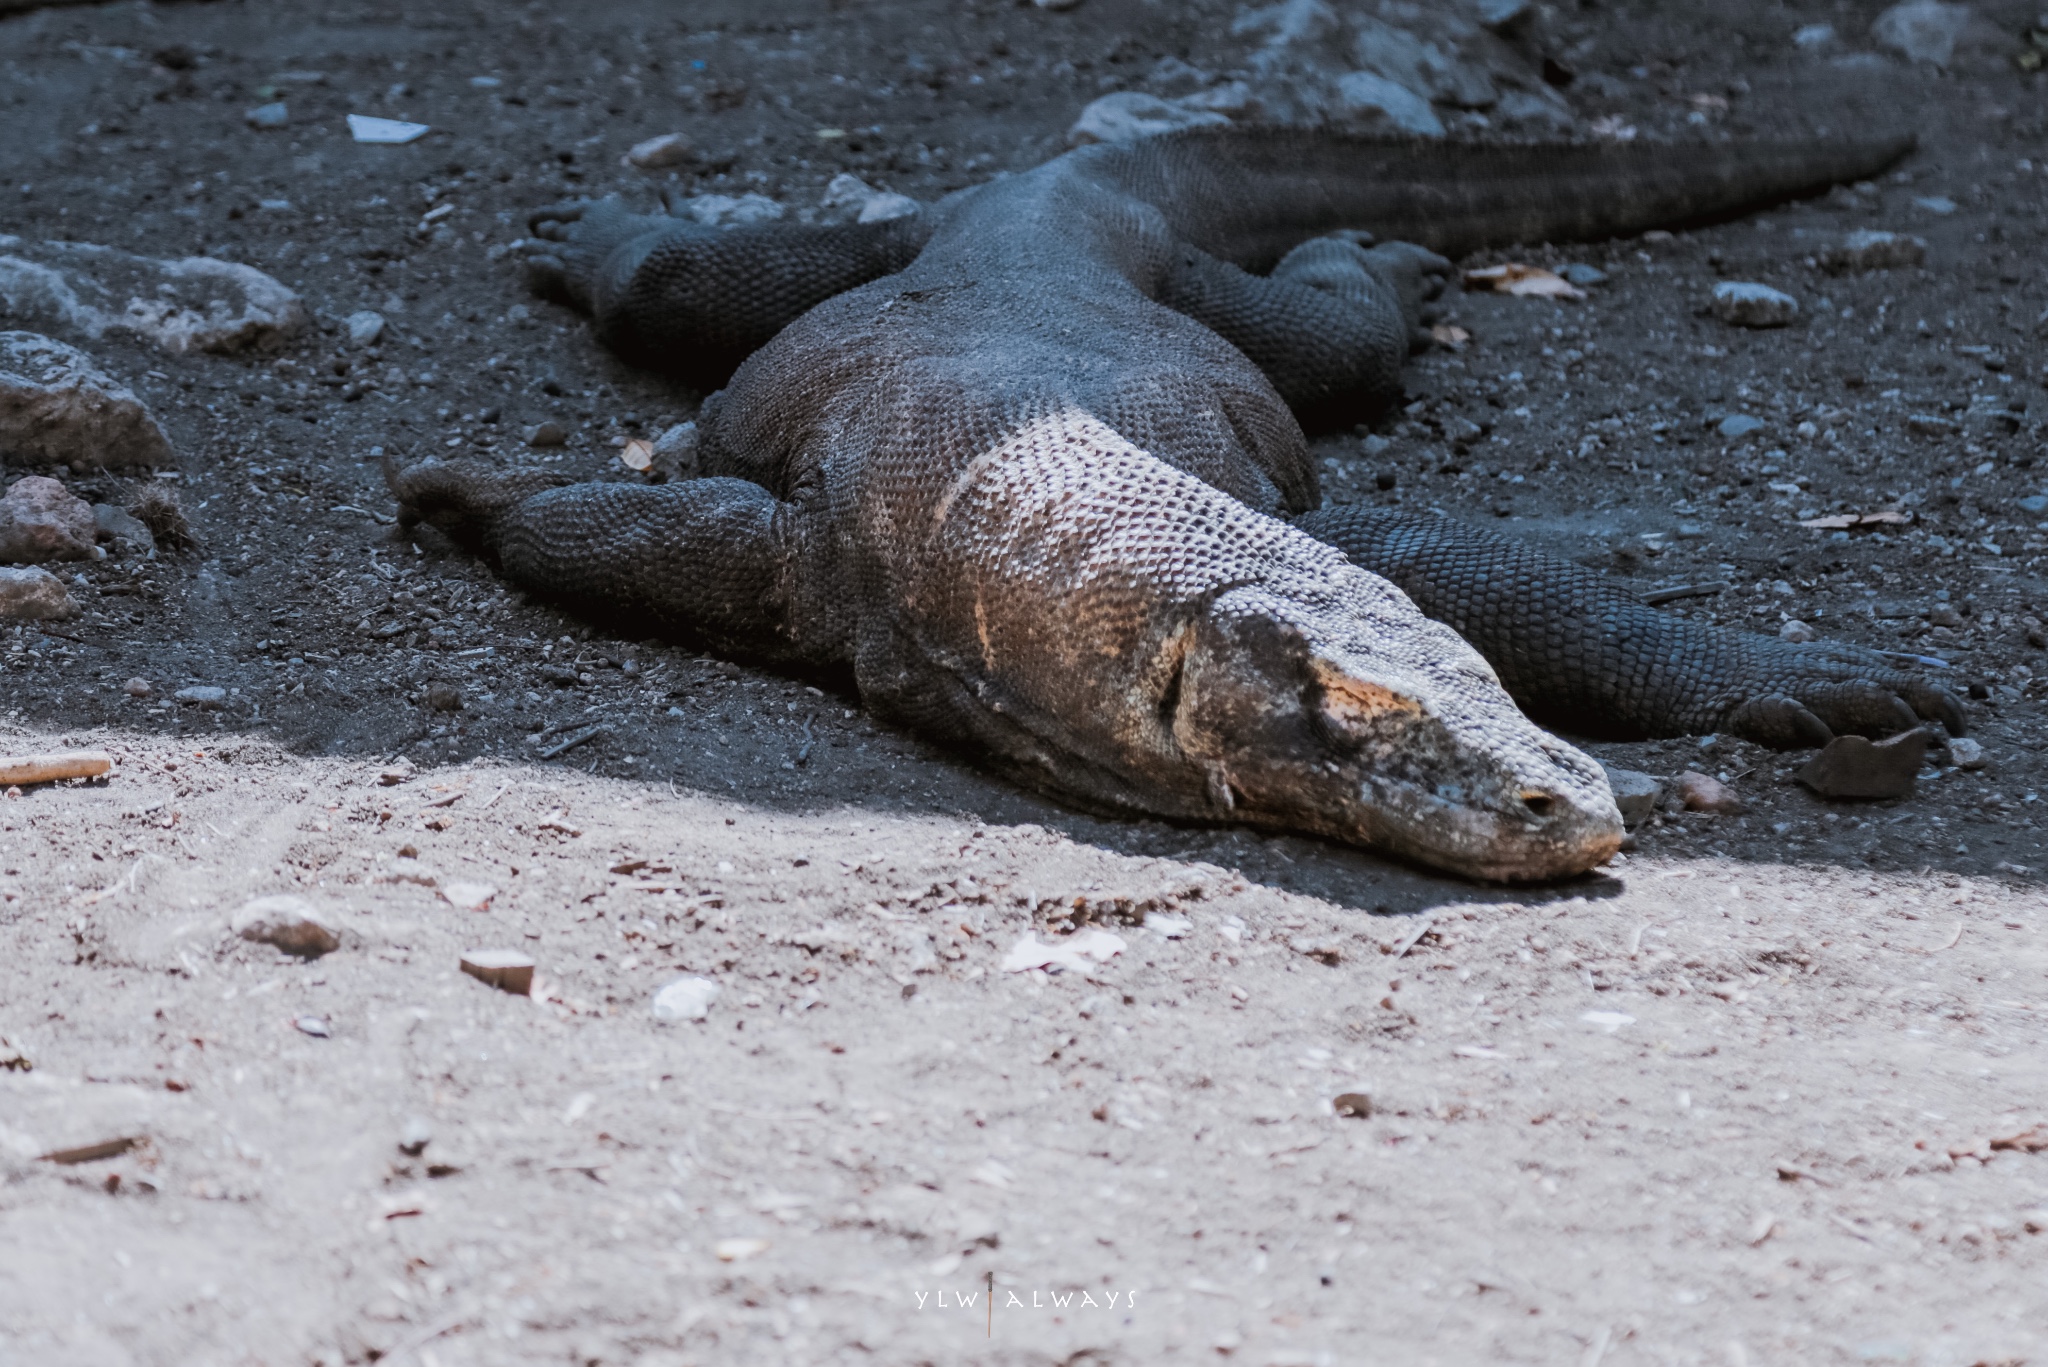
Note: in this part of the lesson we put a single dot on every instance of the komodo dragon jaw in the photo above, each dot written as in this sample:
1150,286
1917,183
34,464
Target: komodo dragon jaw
1130,638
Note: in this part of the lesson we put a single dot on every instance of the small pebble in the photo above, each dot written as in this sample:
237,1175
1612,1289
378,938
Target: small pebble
1871,250
1751,305
547,434
505,969
739,1250
314,1026
274,115
468,896
444,697
670,149
1703,793
1636,794
417,1135
686,999
1356,1104
138,688
365,327
202,695
1738,425
287,922
1579,273
1797,632
1852,767
1965,753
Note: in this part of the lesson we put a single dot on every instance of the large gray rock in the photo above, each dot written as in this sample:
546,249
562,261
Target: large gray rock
193,304
1420,65
31,594
1365,95
41,520
1130,115
56,407
1922,30
1635,794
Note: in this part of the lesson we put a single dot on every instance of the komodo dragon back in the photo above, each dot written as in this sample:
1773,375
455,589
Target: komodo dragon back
1028,466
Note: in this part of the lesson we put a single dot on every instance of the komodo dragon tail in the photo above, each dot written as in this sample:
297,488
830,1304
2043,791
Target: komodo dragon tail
1249,195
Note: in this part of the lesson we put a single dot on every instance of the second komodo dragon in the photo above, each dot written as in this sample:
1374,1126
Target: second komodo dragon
1030,464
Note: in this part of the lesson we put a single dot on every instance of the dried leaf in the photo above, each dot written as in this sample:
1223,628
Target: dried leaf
1527,281
2027,1141
638,454
1842,522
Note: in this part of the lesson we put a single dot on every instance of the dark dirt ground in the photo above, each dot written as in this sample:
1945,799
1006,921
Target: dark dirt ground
1825,999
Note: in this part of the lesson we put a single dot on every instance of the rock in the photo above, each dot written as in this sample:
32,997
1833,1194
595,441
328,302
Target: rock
1852,767
1751,305
739,1250
888,205
1579,273
847,191
1358,1105
670,149
56,407
1869,249
686,999
32,594
367,128
2033,504
413,1140
1930,425
674,457
1503,16
1737,425
1811,36
1364,94
365,326
443,697
124,529
1965,753
1701,793
1419,66
290,923
547,434
469,896
138,688
728,211
196,303
316,1026
1129,115
202,695
272,115
1797,632
1636,794
1935,204
505,969
1922,30
41,521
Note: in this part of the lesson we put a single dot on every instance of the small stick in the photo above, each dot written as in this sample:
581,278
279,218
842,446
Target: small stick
1414,937
50,768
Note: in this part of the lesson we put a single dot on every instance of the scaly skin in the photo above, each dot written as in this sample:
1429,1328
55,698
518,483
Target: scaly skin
1039,484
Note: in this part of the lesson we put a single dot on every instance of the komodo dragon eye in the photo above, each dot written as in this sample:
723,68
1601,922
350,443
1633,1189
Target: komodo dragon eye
1349,711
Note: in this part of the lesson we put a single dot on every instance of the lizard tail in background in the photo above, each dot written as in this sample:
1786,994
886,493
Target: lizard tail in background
1250,195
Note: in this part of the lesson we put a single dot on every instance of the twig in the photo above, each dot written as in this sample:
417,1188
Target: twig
1423,927
50,768
803,752
1678,591
494,797
563,746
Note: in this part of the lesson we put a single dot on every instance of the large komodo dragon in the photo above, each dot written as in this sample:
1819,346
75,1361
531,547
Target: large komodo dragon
1028,463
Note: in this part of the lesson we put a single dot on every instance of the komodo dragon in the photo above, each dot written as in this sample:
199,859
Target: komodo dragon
1028,463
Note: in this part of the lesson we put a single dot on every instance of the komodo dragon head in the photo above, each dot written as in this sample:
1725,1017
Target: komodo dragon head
1137,640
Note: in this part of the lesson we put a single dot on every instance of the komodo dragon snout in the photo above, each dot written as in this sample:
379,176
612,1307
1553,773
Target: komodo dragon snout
1360,719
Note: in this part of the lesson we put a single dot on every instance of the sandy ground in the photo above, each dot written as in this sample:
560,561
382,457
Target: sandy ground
1767,1090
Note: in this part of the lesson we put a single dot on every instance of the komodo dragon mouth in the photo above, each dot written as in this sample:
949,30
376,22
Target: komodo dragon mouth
1029,463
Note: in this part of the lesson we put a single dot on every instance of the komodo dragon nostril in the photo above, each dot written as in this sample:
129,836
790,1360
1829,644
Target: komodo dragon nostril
1539,804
